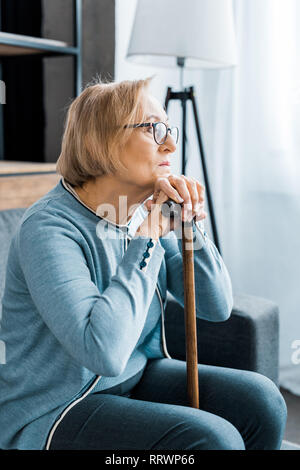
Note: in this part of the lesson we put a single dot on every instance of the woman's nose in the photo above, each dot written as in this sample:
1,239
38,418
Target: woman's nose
169,144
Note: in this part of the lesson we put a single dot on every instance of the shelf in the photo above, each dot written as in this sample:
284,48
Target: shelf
12,168
21,46
17,44
23,183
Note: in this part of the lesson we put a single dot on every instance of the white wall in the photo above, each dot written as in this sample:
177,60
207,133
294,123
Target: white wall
124,69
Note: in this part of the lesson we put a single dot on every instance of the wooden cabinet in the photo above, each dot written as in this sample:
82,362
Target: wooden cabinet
21,184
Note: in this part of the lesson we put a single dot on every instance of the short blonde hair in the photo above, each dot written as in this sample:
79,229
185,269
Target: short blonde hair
94,128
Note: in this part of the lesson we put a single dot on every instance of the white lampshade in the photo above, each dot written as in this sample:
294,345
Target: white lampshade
201,31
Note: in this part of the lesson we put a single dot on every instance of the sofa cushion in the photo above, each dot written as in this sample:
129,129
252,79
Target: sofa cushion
8,225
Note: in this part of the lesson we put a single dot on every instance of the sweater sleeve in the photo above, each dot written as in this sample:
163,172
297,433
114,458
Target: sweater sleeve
98,329
213,289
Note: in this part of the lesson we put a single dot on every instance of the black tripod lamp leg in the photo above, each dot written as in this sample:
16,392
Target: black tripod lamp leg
205,174
183,96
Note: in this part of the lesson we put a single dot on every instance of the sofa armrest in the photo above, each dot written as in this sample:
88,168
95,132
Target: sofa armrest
248,340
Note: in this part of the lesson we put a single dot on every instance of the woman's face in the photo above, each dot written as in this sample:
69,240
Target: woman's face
141,154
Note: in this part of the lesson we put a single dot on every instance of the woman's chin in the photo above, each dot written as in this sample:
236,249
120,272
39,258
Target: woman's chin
165,168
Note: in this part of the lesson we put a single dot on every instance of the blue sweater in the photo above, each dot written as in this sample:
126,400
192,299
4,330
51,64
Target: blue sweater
80,314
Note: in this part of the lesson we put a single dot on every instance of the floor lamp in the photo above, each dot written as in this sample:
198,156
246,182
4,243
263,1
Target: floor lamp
190,34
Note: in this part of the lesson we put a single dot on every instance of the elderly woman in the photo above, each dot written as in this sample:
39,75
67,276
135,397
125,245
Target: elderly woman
89,267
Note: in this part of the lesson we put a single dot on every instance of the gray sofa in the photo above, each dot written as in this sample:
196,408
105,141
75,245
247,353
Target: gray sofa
249,339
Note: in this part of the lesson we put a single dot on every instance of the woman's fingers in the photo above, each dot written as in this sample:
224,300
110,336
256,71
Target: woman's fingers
164,184
192,192
194,197
201,215
184,190
197,191
162,197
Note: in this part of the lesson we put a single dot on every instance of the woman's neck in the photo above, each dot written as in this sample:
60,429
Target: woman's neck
112,199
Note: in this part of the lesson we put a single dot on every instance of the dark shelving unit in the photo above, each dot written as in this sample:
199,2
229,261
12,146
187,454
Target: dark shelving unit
15,45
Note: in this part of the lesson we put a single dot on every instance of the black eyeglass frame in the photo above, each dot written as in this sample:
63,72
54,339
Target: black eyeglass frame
154,124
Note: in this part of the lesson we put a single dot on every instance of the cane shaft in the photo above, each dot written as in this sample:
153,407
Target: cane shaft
190,315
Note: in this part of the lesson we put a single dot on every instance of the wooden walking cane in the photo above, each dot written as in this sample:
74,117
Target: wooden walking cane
189,306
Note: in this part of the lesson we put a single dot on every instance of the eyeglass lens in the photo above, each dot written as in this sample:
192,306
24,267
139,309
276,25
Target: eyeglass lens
161,133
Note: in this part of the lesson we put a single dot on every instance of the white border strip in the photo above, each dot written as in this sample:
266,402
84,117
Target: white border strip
54,427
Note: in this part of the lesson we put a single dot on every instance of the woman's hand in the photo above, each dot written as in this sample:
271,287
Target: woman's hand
183,190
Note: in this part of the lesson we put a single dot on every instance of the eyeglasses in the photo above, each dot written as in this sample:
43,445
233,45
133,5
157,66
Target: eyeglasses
160,131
